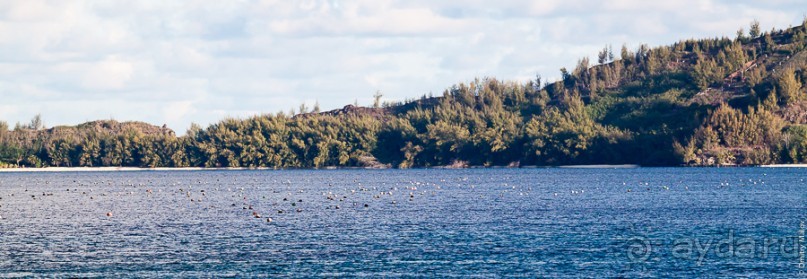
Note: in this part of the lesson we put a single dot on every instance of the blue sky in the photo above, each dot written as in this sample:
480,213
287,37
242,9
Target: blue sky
177,62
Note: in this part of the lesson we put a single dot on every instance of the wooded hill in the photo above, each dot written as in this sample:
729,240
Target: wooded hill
717,101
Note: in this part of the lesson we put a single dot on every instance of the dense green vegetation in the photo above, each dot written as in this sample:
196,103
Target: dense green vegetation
696,102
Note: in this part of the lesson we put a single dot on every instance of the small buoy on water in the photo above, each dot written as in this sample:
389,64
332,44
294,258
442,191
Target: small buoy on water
109,214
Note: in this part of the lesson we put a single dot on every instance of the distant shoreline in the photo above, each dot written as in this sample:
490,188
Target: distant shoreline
784,166
126,169
101,169
122,169
624,166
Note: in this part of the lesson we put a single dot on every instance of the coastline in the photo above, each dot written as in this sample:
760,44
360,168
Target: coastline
134,169
784,166
624,166
101,169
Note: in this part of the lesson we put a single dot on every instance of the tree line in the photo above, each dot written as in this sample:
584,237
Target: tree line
696,102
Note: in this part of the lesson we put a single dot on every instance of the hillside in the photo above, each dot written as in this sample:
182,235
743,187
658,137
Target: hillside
718,101
79,145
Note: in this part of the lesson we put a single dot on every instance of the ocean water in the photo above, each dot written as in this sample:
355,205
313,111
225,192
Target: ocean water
535,223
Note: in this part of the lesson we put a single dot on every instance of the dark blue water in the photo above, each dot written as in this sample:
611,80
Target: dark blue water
647,222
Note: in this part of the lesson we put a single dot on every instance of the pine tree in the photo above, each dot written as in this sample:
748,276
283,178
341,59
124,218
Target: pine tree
316,107
754,32
377,99
789,87
771,102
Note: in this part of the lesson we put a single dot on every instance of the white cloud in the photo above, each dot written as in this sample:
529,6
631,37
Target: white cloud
178,62
110,74
8,111
177,111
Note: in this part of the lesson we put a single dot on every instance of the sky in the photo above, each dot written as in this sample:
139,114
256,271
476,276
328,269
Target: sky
176,62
